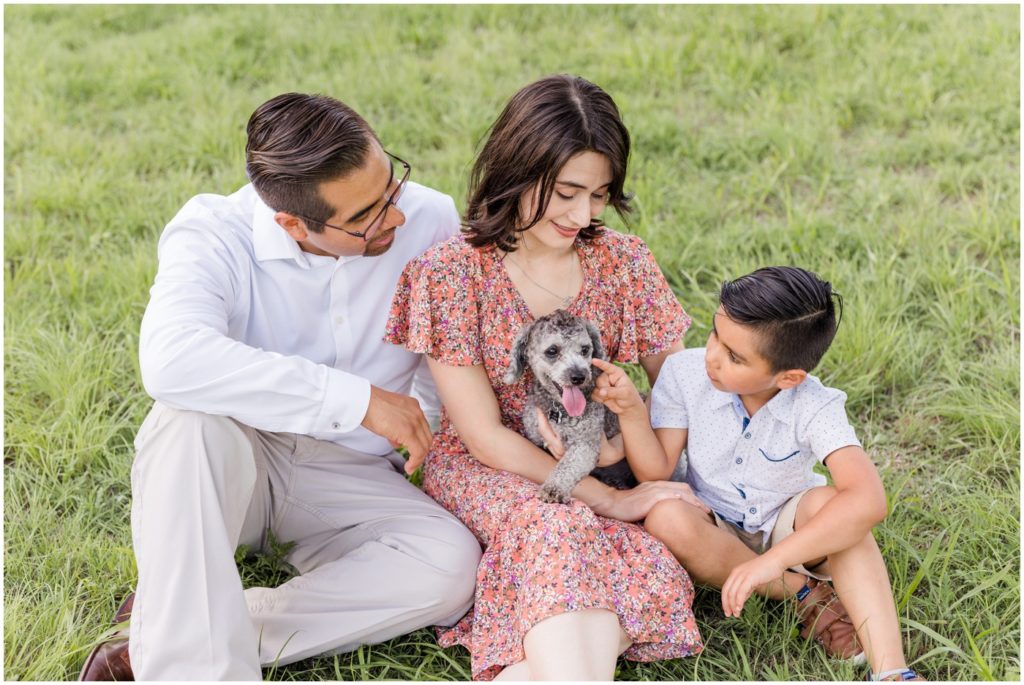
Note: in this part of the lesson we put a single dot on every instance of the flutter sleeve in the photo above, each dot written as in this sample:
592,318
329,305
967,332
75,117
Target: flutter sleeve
653,319
434,310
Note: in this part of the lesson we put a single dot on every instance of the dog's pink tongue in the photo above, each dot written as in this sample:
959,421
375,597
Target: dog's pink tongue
573,401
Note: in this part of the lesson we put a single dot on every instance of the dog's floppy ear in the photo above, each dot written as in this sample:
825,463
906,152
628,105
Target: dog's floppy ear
518,365
595,340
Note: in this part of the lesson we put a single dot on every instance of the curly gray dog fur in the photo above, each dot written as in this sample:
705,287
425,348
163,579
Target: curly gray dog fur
558,349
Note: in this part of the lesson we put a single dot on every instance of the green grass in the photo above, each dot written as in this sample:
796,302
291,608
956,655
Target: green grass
877,146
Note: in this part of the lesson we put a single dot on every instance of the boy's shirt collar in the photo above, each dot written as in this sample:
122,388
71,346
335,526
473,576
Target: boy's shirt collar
780,406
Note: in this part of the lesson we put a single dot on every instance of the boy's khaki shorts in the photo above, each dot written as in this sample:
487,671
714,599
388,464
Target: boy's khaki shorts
784,526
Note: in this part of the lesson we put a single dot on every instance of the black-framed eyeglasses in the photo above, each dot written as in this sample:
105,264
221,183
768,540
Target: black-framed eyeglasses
378,219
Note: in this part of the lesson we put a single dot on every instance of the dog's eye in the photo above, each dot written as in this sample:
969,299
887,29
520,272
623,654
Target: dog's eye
551,352
585,350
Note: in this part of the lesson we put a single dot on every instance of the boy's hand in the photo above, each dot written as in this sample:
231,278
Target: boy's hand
744,579
616,391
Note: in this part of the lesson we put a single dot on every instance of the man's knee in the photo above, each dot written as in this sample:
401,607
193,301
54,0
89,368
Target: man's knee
193,433
448,558
176,447
457,562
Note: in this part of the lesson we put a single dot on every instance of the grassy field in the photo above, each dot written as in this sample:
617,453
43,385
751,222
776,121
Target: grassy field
879,147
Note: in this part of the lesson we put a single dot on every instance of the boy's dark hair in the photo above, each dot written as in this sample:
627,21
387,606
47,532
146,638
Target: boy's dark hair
295,143
541,127
792,310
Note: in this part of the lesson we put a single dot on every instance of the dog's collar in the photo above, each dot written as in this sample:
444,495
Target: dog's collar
558,415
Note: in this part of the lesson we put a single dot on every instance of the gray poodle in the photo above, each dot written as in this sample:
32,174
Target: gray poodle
558,348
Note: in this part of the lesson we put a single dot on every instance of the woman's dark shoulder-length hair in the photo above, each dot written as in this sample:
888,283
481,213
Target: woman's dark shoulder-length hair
541,128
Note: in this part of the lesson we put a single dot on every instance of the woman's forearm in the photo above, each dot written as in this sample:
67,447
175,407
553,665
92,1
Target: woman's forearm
507,450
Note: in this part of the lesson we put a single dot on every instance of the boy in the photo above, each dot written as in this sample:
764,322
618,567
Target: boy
754,423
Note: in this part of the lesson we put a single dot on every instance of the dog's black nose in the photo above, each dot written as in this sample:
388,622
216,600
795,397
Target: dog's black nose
577,377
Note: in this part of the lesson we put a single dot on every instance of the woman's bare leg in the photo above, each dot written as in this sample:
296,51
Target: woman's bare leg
580,645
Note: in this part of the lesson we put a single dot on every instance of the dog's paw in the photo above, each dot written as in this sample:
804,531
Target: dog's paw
551,494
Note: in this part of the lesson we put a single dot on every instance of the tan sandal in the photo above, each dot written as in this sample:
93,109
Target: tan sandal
824,618
899,674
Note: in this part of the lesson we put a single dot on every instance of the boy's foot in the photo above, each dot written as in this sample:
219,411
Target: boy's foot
895,674
824,618
109,660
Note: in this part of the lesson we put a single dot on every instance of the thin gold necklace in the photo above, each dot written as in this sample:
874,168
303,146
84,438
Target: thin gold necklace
566,300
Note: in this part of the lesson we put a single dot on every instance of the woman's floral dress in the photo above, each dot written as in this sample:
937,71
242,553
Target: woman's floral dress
456,304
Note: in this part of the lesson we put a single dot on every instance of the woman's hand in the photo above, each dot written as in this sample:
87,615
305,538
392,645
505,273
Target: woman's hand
636,503
612,451
616,391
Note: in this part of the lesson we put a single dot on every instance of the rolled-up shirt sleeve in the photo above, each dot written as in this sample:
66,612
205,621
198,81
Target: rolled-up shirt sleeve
188,361
668,401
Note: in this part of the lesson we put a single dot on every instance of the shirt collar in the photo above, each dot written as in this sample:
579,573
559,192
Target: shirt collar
720,399
273,242
737,405
781,406
270,240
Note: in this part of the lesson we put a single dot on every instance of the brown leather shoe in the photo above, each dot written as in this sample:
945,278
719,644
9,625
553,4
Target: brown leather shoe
824,618
109,659
124,612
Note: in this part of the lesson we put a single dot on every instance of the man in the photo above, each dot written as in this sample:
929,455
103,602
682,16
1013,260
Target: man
278,407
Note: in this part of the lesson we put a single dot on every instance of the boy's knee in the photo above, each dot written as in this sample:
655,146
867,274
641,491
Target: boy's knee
672,518
814,500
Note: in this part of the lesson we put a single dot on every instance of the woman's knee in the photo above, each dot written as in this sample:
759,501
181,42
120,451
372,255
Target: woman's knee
531,513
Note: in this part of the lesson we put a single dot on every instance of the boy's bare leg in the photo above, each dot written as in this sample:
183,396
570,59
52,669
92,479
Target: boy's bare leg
707,552
862,583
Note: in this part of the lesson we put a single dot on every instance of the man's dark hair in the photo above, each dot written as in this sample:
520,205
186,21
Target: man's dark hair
541,128
792,310
295,143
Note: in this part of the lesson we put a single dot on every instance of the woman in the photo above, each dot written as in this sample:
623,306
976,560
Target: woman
562,590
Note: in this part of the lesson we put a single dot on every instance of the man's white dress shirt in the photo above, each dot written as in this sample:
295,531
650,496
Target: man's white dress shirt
746,468
242,323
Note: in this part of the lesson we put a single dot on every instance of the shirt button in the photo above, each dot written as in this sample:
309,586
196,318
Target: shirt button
753,510
336,425
339,320
747,436
739,460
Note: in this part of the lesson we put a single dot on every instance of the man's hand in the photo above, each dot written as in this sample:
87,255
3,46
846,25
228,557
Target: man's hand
399,419
616,391
744,579
612,451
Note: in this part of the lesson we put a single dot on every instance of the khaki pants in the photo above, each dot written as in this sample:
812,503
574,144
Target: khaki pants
784,526
377,557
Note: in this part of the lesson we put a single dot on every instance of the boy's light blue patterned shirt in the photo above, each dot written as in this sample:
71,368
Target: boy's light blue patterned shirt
746,468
